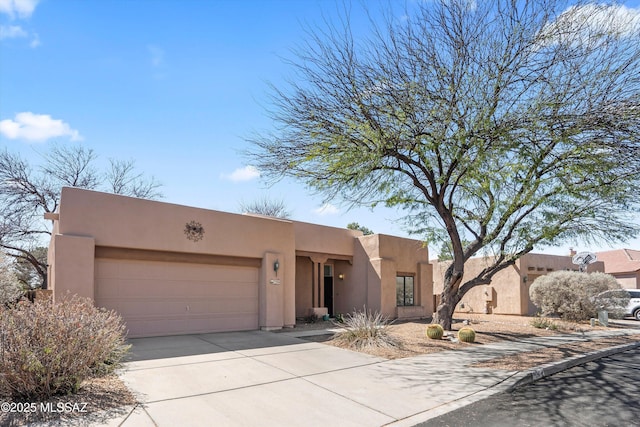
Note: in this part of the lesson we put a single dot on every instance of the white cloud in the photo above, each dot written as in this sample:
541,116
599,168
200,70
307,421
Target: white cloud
578,24
12,32
246,173
326,209
18,8
16,31
36,128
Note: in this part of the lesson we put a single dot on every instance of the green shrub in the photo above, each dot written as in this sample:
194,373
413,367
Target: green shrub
364,329
572,295
49,349
435,331
466,334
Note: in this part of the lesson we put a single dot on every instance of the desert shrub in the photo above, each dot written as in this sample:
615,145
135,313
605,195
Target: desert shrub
572,295
614,302
10,288
544,323
48,349
364,329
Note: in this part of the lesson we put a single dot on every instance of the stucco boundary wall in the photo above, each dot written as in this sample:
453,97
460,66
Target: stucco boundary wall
89,221
508,292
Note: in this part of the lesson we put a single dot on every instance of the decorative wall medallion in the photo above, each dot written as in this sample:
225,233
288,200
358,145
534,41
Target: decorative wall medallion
194,231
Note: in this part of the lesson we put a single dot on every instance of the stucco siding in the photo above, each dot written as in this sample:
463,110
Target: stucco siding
508,292
113,220
173,269
628,280
155,232
390,256
304,286
347,293
323,239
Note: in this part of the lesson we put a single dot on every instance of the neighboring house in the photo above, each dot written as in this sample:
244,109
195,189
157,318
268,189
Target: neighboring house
624,265
508,292
170,269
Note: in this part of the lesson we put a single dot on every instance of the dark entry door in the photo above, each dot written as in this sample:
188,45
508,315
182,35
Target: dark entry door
328,294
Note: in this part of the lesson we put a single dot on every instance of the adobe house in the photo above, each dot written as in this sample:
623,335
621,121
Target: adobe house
508,292
624,265
170,269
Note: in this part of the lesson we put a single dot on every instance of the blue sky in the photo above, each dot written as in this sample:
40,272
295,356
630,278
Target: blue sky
176,85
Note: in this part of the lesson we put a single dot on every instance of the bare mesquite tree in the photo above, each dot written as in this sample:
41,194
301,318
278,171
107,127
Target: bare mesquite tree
498,125
268,207
28,191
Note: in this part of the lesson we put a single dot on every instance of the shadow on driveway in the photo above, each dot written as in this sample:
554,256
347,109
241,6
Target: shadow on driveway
198,344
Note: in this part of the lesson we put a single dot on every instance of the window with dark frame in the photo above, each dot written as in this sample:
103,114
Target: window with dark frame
404,291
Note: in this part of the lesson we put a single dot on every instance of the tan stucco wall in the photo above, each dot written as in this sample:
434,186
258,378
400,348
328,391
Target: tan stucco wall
304,268
323,239
508,292
534,265
628,280
346,298
124,222
95,225
385,258
503,293
135,223
72,266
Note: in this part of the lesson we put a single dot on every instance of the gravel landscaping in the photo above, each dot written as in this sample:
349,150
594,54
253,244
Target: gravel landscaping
107,397
489,329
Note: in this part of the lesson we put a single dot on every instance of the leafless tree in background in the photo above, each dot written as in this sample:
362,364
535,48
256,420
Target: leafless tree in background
267,207
28,191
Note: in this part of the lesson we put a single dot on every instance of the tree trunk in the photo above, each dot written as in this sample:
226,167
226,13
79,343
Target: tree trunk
45,280
444,312
449,297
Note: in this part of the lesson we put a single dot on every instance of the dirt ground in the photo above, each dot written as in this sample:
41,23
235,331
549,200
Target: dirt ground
412,340
96,395
111,394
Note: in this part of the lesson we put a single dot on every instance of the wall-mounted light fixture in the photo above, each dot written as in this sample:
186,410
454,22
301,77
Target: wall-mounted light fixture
276,267
524,279
341,276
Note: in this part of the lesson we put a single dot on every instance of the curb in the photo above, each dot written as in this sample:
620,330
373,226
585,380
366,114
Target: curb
532,375
518,379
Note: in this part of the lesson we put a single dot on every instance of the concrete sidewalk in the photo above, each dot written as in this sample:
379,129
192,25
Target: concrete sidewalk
276,379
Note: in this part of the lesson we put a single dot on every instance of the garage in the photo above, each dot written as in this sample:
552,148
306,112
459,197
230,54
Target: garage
160,297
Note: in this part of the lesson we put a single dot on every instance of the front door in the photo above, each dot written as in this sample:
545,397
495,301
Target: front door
328,288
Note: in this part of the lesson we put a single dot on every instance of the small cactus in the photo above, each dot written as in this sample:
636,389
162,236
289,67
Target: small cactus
466,334
435,331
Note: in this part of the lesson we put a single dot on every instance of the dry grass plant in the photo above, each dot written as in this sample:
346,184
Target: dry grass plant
363,330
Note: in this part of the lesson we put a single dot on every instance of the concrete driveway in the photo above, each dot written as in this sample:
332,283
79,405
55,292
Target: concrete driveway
273,379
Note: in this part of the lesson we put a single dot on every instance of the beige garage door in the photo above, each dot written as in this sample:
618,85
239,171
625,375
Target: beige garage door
167,298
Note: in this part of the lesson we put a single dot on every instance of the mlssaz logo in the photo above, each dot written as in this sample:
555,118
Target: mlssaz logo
194,231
